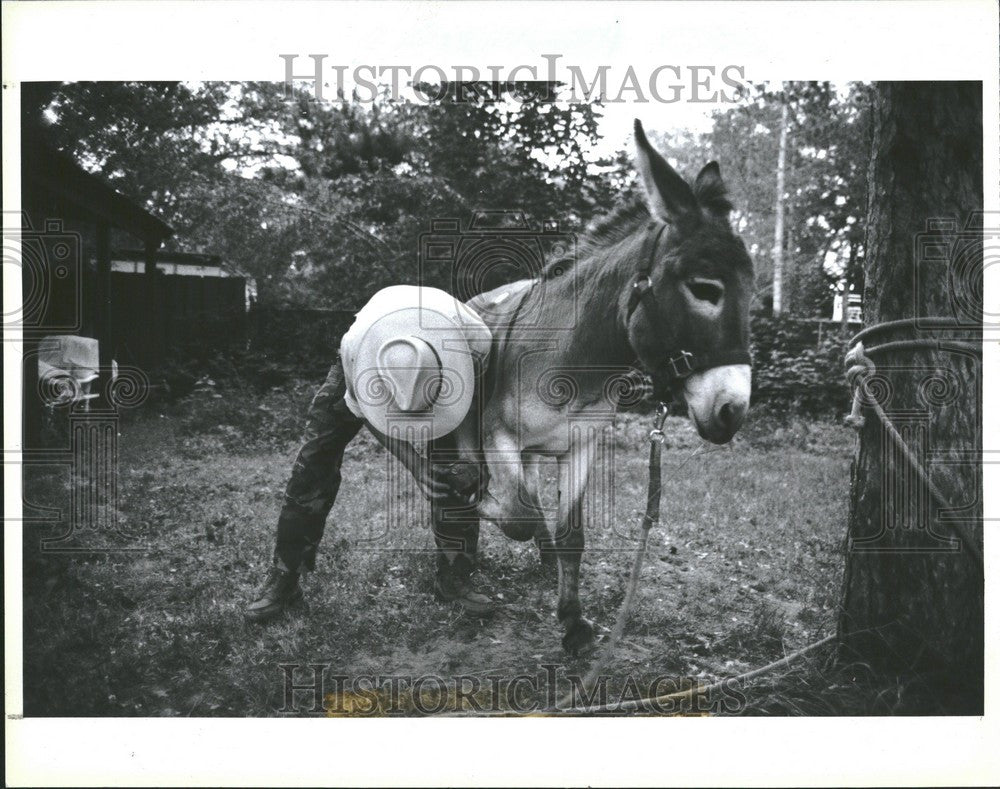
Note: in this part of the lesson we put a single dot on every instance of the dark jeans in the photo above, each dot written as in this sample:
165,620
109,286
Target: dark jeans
312,488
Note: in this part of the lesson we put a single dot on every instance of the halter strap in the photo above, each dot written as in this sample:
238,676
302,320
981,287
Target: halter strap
679,363
641,288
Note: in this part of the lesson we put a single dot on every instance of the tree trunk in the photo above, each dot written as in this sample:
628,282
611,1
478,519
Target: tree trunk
912,595
777,291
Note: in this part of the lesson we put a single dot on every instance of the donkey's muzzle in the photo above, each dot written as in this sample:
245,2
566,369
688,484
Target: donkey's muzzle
722,425
727,419
718,400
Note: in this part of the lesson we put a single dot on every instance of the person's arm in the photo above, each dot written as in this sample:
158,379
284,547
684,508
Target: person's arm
434,486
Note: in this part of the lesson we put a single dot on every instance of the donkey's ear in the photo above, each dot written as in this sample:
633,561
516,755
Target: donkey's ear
710,191
667,194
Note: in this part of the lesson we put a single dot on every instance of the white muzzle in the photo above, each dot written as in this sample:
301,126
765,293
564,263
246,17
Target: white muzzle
717,401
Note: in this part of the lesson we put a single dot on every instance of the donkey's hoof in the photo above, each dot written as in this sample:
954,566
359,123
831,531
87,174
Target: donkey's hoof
579,637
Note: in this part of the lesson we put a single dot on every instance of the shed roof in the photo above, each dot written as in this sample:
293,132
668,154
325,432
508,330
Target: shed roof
190,258
84,195
182,258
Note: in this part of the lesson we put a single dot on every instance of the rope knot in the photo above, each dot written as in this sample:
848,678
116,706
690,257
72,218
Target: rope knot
859,369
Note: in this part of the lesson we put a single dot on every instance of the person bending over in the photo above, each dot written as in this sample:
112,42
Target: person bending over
408,369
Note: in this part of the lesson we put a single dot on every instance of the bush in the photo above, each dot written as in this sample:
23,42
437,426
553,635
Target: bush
797,369
299,337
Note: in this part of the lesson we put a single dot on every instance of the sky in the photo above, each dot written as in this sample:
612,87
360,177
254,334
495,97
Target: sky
616,123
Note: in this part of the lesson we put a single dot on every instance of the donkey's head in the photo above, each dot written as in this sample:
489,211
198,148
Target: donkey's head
687,314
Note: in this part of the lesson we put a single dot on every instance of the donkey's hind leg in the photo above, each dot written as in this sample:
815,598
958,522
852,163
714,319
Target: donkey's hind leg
574,469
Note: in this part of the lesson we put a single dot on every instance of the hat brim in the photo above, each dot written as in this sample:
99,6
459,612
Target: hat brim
373,392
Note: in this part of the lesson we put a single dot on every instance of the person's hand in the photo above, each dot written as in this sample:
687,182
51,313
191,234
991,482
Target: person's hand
461,480
433,484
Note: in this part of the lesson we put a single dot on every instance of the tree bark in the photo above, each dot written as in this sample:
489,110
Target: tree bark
912,601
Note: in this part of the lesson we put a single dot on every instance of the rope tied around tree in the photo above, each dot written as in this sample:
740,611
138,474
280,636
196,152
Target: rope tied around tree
861,374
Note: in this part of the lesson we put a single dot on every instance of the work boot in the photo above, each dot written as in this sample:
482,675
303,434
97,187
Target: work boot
280,592
451,585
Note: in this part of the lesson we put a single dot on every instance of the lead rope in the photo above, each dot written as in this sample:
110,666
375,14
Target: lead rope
649,520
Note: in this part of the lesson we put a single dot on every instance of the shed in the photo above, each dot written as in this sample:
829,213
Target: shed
205,301
64,237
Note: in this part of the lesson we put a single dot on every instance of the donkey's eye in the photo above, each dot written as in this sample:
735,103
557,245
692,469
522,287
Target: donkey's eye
709,290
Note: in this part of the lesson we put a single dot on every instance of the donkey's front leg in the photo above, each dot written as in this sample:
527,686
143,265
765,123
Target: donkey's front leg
569,550
574,470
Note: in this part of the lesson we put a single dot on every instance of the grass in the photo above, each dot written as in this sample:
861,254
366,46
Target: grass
745,565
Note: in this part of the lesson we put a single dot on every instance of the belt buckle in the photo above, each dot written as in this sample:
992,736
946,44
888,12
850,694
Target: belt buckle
682,364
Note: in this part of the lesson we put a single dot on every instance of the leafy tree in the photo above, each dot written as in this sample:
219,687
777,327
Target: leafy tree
307,195
829,138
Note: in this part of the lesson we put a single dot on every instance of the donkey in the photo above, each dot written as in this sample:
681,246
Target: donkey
663,286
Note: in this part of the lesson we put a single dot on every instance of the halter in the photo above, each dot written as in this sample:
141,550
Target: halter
680,363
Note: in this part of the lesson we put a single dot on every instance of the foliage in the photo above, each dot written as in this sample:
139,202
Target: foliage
826,190
797,368
306,195
147,138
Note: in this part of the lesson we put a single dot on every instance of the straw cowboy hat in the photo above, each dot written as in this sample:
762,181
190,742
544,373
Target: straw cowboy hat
410,370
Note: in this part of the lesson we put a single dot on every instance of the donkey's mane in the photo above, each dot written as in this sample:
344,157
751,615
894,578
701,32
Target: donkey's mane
605,232
617,225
